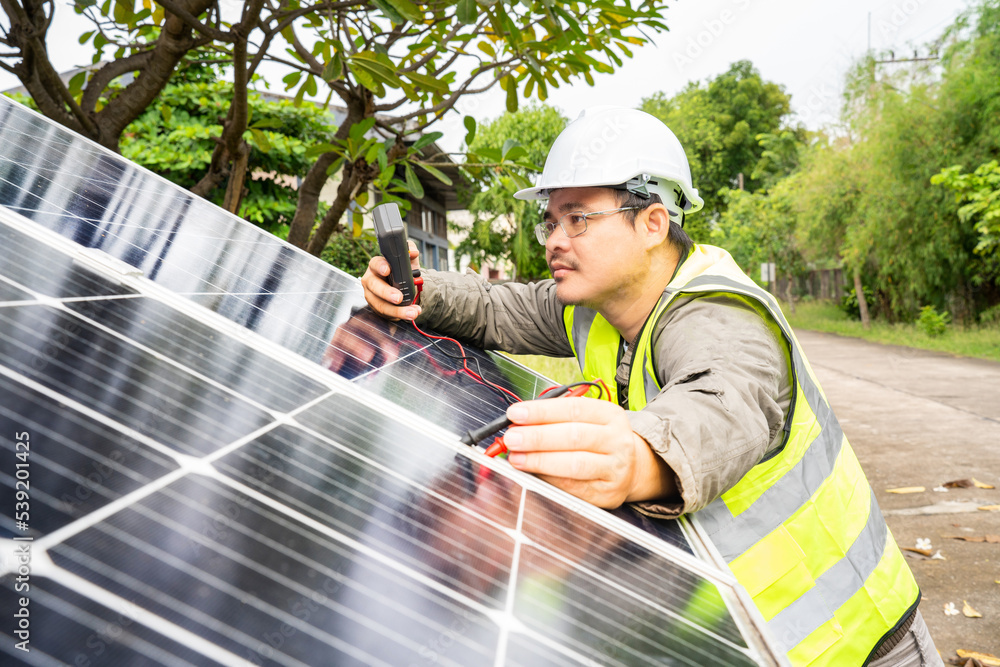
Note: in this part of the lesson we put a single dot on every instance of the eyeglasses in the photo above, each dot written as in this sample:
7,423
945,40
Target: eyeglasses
573,224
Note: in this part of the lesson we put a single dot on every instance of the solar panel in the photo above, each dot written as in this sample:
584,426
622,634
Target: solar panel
198,487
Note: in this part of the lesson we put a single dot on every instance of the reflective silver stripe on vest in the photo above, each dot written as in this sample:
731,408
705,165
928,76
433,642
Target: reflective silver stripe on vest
583,320
734,535
648,381
834,587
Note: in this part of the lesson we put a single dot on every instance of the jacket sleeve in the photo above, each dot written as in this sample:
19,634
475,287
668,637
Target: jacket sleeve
514,317
725,393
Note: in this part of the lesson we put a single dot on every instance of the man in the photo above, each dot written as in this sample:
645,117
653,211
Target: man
716,412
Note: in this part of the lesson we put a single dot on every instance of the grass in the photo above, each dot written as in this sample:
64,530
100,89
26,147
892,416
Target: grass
563,370
980,342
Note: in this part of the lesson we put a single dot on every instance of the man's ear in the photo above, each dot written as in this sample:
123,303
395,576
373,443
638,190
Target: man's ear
657,221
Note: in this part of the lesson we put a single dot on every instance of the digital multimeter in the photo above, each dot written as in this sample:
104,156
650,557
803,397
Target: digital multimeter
392,243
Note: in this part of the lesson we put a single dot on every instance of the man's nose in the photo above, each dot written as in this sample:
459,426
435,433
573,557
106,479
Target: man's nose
557,239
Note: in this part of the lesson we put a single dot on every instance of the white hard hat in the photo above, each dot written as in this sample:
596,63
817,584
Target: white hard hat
620,148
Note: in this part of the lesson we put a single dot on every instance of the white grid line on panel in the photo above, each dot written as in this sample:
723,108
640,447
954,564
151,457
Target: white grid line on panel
207,620
409,481
362,548
248,598
318,567
511,621
147,618
274,414
103,626
186,463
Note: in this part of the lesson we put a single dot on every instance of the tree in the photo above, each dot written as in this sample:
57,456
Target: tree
760,227
175,139
718,122
978,194
503,227
396,66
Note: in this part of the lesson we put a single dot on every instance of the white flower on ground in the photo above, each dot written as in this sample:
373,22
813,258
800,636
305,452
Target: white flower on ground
923,543
941,489
949,609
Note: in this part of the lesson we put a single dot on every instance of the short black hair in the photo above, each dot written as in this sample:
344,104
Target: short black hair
676,237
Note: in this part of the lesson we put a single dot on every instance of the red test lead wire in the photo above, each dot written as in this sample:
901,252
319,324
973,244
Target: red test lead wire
498,447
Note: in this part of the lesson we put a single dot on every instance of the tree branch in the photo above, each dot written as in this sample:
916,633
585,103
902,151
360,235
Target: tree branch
111,71
191,21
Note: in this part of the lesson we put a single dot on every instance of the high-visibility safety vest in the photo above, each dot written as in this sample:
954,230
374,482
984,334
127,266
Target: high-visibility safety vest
801,530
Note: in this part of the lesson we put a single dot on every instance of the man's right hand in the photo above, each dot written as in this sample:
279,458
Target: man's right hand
381,295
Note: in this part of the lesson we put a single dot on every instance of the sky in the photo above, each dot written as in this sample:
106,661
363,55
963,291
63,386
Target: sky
805,46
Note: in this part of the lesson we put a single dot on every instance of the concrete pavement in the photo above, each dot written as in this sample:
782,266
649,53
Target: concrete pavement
919,418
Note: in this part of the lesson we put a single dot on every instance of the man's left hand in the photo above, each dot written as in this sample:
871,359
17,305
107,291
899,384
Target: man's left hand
586,447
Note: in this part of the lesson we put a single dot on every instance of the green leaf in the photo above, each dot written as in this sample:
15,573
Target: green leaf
470,130
436,173
507,145
260,139
76,83
487,48
291,79
267,123
335,167
426,139
365,78
408,9
467,12
413,183
319,149
382,156
427,82
377,68
515,152
334,69
511,94
86,36
359,129
166,112
389,11
124,9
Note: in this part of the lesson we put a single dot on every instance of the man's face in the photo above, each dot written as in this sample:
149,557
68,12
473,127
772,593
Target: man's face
600,265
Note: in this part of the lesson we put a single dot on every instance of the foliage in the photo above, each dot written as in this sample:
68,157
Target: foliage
931,322
351,254
563,370
175,140
718,122
759,227
849,302
990,317
864,195
979,194
396,67
503,228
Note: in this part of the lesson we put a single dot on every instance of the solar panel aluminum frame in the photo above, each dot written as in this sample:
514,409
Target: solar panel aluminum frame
744,613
